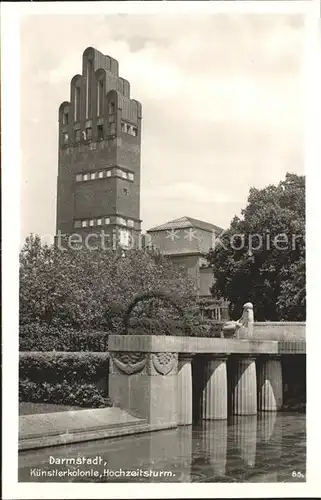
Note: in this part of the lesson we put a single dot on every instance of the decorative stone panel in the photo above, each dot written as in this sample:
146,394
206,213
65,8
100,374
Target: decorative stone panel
128,362
162,363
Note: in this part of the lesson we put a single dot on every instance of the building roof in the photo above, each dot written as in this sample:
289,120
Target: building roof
185,222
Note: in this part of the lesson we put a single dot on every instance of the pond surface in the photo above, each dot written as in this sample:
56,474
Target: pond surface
268,447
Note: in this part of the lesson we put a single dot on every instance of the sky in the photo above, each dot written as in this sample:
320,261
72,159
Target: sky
222,107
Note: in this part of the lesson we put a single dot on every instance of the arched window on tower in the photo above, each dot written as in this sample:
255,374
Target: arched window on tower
89,72
112,107
65,116
100,97
77,104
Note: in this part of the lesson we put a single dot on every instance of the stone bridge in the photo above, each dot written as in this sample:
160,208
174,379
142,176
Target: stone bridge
161,378
161,382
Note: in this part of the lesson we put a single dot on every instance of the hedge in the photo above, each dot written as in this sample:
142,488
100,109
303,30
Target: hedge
57,367
43,337
83,395
147,326
208,328
64,378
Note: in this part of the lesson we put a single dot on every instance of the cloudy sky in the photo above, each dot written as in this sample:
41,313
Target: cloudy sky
222,106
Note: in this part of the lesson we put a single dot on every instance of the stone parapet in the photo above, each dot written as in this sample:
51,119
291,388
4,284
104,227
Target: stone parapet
283,331
202,345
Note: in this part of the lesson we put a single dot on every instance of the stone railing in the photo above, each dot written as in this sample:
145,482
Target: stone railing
151,375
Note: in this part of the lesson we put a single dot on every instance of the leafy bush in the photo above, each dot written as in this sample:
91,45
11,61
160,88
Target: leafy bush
64,378
250,265
148,326
148,304
208,328
90,289
74,394
158,312
57,367
44,337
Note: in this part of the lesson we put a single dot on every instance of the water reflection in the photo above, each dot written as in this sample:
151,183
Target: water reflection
262,448
265,426
215,444
245,437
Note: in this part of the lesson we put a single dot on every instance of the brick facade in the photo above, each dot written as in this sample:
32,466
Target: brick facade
99,151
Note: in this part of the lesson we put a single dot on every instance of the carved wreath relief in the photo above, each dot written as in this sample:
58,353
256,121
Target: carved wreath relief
129,362
162,363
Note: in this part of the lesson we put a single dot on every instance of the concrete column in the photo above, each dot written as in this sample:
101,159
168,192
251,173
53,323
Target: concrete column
214,398
145,384
270,388
184,389
244,387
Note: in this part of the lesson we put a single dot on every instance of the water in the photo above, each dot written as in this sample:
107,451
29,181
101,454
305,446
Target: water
265,448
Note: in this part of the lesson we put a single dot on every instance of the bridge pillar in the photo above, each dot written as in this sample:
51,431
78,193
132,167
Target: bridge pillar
244,387
145,384
184,389
270,387
214,398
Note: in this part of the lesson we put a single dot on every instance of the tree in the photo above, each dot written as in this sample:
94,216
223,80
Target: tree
261,257
88,289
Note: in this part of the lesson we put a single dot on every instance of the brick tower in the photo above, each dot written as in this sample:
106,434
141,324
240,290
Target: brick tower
98,186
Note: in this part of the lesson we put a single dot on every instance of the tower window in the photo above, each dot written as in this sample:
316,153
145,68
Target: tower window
65,138
130,223
122,126
112,128
124,238
100,132
65,118
77,104
111,107
77,223
108,173
121,220
124,174
88,87
100,97
83,223
99,222
107,220
93,175
125,191
86,177
100,175
91,222
135,131
130,176
78,177
88,133
77,135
